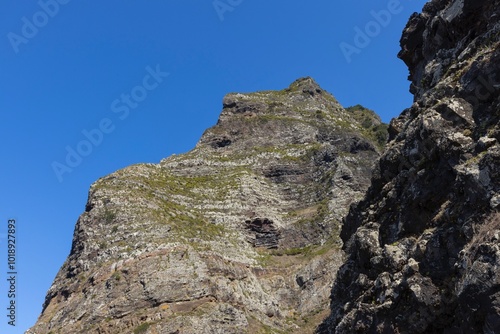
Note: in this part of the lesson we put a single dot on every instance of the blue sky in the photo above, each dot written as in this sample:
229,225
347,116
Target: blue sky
125,82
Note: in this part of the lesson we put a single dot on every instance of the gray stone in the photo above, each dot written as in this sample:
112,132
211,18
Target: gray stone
434,194
239,235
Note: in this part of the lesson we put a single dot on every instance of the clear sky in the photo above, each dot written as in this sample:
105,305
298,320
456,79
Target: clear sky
119,82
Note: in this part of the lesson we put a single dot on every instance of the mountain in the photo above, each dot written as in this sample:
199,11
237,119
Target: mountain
423,252
239,235
292,215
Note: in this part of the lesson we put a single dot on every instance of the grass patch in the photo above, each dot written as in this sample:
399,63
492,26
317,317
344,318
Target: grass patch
117,276
372,126
257,327
483,233
142,328
292,251
108,215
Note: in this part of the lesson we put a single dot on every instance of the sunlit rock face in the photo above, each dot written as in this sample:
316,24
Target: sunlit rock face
239,235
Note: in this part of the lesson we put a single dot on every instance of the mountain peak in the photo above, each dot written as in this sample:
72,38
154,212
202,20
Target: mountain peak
306,85
193,244
303,94
297,114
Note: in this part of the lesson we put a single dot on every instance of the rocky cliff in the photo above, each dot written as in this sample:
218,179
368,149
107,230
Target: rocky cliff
423,245
239,235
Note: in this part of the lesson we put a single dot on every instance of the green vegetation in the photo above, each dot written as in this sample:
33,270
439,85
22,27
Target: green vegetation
380,134
316,213
172,201
108,215
292,251
273,257
372,126
476,159
264,258
142,328
117,276
364,116
257,327
270,93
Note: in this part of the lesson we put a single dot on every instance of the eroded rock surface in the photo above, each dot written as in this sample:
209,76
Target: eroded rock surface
239,235
423,245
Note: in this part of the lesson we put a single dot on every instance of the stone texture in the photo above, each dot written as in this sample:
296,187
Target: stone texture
239,235
422,246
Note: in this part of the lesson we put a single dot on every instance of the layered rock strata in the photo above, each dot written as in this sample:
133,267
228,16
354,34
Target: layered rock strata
239,235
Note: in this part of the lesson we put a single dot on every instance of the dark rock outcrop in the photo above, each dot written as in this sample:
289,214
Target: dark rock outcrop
423,245
239,235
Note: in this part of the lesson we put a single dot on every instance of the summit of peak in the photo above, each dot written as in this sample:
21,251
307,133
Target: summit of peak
306,85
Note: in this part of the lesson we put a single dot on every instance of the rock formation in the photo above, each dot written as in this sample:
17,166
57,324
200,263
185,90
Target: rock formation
239,235
423,253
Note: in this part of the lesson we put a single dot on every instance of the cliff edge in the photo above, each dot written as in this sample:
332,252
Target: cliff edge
423,245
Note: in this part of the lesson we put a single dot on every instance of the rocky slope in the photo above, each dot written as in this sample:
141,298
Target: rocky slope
239,235
423,245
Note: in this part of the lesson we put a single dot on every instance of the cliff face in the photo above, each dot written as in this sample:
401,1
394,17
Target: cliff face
241,234
423,245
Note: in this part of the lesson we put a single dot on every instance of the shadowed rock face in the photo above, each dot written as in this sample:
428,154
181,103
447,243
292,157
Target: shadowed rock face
239,235
422,246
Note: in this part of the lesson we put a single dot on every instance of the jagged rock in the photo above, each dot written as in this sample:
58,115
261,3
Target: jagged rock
239,235
422,246
263,233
